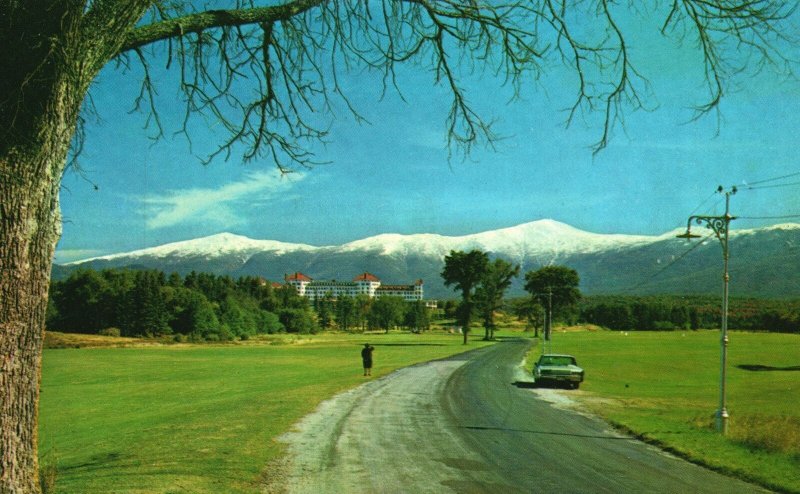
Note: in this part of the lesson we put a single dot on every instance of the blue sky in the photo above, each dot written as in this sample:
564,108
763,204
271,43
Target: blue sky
393,175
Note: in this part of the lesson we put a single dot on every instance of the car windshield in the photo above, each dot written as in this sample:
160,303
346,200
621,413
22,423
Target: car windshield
557,360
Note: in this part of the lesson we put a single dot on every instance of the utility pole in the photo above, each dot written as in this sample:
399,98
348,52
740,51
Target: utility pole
548,330
720,225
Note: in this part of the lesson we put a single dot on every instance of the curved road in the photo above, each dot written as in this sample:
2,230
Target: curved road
466,425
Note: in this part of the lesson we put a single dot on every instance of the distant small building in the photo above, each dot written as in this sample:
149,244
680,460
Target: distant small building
363,284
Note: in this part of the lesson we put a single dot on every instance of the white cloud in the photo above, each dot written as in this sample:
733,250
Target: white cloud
216,207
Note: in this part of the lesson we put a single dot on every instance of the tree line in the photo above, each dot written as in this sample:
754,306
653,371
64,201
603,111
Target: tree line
654,313
202,306
554,294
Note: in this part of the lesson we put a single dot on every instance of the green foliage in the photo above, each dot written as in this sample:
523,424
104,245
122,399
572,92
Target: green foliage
554,284
346,313
556,288
203,306
191,311
144,308
530,311
489,295
298,320
450,307
386,313
113,332
417,317
324,309
656,313
146,303
463,271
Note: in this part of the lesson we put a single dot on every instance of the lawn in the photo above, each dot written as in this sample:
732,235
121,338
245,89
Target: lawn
665,388
202,418
197,419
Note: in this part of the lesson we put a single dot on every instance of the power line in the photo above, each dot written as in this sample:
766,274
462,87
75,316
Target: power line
702,203
772,186
674,261
784,217
749,185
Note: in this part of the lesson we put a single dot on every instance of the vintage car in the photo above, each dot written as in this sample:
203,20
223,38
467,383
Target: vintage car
558,369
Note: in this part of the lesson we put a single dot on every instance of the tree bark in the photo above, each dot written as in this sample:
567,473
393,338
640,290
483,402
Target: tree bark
31,165
29,230
49,69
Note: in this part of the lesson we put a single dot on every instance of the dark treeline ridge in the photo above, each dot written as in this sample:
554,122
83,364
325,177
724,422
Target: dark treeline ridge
653,313
202,306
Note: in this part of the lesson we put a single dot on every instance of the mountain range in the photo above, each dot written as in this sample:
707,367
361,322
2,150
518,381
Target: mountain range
764,262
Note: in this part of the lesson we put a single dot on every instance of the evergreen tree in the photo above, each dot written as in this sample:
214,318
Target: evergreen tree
346,316
146,310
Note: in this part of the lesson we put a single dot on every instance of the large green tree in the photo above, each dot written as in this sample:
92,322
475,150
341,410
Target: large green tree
463,271
265,71
489,295
555,288
386,313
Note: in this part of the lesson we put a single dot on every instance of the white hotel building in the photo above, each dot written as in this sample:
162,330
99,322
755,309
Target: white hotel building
363,284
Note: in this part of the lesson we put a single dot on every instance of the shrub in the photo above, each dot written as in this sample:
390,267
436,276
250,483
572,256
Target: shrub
776,434
110,332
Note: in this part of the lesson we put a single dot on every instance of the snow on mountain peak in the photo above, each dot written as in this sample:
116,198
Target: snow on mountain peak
547,237
543,237
212,246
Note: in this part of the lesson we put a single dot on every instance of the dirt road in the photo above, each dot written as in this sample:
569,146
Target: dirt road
470,424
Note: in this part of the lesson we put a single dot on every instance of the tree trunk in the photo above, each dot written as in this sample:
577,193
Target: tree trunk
38,115
50,52
31,165
29,230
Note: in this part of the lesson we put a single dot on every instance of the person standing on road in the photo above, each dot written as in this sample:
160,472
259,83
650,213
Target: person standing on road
366,358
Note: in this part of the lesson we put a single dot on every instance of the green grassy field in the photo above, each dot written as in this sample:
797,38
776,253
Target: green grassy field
202,419
197,419
665,387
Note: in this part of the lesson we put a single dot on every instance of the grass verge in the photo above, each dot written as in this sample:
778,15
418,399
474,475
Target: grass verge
664,388
198,419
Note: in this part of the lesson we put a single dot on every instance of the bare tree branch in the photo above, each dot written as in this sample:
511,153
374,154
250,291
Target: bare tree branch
271,75
202,21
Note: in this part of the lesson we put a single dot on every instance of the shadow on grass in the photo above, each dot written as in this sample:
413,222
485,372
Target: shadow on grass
525,384
759,367
407,344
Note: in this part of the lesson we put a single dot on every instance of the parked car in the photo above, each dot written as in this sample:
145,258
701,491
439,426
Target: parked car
558,369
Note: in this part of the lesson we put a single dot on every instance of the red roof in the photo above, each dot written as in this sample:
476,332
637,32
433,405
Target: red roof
298,276
366,277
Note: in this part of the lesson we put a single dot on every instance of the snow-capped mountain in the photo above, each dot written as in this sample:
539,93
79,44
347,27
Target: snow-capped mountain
764,261
539,238
219,245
